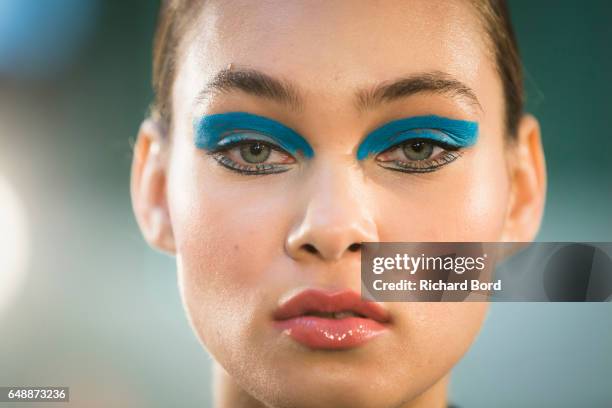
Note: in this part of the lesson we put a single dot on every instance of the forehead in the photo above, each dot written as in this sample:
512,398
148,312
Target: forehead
331,48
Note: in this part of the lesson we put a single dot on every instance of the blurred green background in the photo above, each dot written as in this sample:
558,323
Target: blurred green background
98,311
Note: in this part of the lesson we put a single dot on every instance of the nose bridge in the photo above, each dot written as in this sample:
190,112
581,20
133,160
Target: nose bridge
335,217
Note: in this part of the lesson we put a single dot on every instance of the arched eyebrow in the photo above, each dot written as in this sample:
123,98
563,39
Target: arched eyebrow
255,83
262,85
429,82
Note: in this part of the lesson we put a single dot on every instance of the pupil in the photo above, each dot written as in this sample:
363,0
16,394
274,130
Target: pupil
418,147
256,149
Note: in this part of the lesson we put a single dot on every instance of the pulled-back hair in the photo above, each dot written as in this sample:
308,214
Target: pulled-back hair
176,16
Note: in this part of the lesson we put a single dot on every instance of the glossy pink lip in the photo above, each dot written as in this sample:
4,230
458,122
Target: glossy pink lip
300,317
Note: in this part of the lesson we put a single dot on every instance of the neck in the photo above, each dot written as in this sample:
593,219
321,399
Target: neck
228,394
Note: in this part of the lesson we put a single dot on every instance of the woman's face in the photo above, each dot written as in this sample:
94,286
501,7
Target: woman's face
246,242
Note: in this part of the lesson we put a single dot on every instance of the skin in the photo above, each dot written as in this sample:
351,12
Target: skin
240,240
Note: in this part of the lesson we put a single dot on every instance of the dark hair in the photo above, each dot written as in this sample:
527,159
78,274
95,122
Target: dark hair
175,17
498,25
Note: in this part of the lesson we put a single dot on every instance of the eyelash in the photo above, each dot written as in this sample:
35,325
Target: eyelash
252,169
448,155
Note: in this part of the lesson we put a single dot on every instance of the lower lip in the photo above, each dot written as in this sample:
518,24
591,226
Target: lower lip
331,334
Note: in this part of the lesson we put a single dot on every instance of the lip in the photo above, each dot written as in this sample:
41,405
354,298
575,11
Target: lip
296,317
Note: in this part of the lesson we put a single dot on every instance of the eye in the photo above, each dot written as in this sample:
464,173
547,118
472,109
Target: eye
249,156
418,150
255,152
418,156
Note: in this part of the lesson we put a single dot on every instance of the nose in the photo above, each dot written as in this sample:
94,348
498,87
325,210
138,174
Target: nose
334,221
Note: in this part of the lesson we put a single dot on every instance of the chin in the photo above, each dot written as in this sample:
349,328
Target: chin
337,379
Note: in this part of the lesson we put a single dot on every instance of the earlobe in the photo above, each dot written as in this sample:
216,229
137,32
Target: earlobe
528,181
148,187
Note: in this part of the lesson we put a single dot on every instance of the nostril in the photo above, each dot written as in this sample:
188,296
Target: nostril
310,248
354,247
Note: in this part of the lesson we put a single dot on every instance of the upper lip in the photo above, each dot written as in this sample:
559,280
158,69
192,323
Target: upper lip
315,300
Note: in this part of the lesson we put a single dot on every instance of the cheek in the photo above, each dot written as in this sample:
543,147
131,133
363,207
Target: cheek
221,221
230,240
464,202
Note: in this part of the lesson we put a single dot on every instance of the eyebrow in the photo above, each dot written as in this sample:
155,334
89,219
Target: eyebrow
436,82
262,85
255,83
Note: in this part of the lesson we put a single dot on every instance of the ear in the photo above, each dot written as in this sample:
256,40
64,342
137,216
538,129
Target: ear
528,183
148,187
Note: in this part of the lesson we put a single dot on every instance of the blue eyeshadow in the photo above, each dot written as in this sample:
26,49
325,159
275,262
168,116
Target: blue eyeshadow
218,130
453,132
